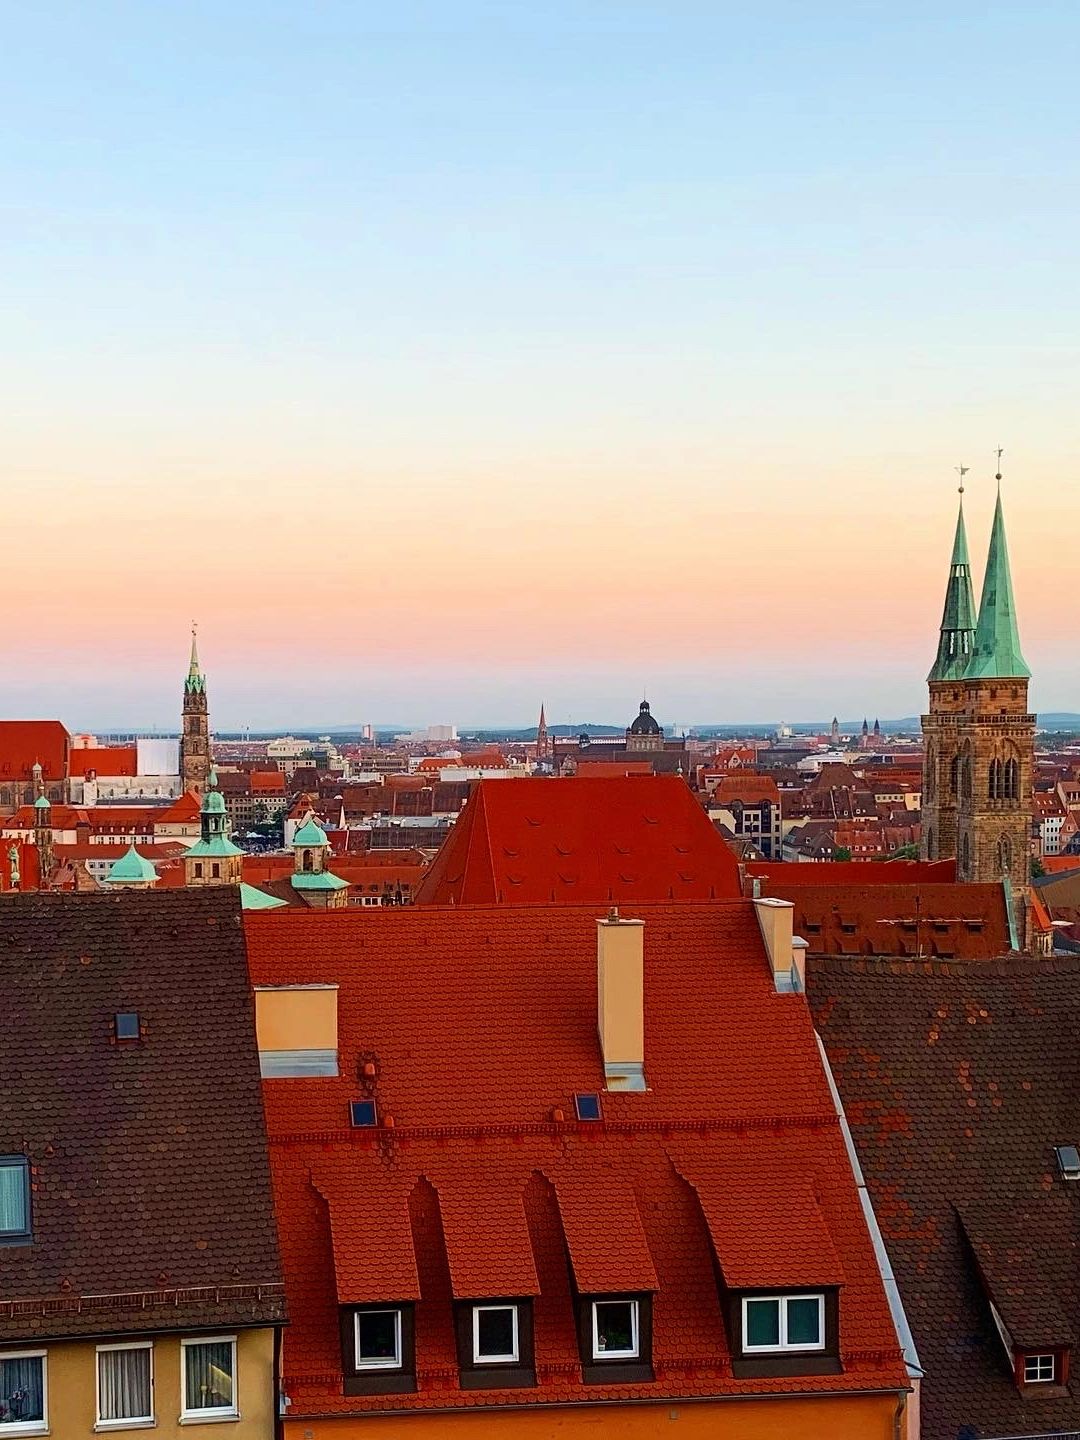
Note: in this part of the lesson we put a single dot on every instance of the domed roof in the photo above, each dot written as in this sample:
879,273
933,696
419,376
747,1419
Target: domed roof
310,834
644,724
214,803
42,803
131,867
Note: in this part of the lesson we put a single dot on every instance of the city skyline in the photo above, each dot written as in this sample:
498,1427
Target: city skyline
441,366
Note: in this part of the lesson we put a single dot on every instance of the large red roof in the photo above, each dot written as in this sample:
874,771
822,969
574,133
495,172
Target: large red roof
26,742
852,872
105,760
624,840
482,1024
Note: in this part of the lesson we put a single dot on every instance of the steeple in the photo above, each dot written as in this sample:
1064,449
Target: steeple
195,680
958,619
996,652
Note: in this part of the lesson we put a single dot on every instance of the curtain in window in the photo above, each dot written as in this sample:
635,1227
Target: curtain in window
209,1375
12,1199
124,1384
22,1391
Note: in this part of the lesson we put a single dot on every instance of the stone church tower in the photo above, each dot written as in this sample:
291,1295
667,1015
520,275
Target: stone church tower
195,727
980,738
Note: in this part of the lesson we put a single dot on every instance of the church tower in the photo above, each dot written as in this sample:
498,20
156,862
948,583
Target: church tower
195,727
213,859
996,735
941,734
542,747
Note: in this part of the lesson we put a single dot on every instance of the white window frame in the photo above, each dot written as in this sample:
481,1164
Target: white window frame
136,1422
634,1353
209,1412
784,1347
31,1427
513,1358
398,1360
1034,1359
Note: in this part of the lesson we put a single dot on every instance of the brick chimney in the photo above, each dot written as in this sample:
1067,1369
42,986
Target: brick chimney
620,1000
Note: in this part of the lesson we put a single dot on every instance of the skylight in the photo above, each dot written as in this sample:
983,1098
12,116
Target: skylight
127,1025
363,1113
587,1107
1068,1157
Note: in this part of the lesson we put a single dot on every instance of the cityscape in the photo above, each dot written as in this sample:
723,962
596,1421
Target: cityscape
654,1011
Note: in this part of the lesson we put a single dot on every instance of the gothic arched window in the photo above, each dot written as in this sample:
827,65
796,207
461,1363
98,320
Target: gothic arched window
1011,785
1004,855
309,863
930,845
954,775
965,854
996,784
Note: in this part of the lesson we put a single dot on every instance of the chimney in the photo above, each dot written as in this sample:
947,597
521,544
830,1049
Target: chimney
296,1027
620,1000
777,924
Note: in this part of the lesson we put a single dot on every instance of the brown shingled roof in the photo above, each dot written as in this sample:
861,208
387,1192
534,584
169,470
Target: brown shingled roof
149,1158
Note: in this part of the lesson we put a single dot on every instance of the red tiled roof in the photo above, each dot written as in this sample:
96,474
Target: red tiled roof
104,760
26,742
1058,864
966,922
483,1021
853,872
600,770
614,840
183,810
750,789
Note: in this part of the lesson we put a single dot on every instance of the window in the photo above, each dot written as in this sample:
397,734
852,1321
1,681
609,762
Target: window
1039,1370
615,1330
1068,1158
363,1113
378,1339
14,1197
495,1335
587,1107
127,1025
198,869
783,1322
215,871
209,1378
125,1384
23,1395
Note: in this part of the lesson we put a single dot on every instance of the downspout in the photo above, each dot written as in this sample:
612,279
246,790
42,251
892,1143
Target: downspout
888,1279
1010,911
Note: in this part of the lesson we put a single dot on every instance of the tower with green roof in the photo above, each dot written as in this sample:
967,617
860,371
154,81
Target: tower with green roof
316,885
980,735
948,698
194,726
213,859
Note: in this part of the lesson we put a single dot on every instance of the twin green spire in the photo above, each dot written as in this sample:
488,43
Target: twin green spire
986,648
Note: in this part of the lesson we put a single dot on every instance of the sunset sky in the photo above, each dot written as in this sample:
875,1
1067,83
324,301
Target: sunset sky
445,358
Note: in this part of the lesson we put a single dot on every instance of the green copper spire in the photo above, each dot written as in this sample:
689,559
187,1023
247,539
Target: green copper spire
958,619
195,679
996,654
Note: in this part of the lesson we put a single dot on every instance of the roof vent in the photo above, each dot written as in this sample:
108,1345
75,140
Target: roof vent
587,1107
363,1114
1068,1158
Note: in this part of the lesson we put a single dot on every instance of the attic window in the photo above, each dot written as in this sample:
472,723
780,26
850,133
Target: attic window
1068,1158
127,1025
363,1114
1040,1369
587,1107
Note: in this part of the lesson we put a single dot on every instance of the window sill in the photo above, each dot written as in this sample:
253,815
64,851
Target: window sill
103,1425
231,1417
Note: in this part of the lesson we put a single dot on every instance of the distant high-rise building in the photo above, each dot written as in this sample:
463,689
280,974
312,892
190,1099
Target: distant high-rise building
195,727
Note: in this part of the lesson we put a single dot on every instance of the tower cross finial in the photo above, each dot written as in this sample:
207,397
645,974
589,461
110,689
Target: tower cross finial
999,452
961,470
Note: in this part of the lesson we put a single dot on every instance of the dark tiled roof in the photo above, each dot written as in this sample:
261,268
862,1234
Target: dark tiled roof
958,1080
149,1160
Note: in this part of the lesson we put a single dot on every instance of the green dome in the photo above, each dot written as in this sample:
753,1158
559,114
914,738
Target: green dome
310,834
214,803
42,803
131,867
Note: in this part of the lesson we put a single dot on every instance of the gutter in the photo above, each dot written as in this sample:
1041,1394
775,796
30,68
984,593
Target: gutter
1010,911
888,1279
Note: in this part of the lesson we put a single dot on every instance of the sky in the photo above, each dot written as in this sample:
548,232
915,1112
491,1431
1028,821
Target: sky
442,359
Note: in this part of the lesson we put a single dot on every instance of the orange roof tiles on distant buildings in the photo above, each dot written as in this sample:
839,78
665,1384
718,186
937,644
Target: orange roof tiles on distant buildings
482,1022
591,841
851,872
106,760
24,743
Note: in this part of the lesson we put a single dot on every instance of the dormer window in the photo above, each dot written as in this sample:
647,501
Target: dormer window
782,1324
14,1198
1040,1369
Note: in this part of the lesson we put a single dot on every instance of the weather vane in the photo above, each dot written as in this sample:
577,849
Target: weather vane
961,470
999,452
